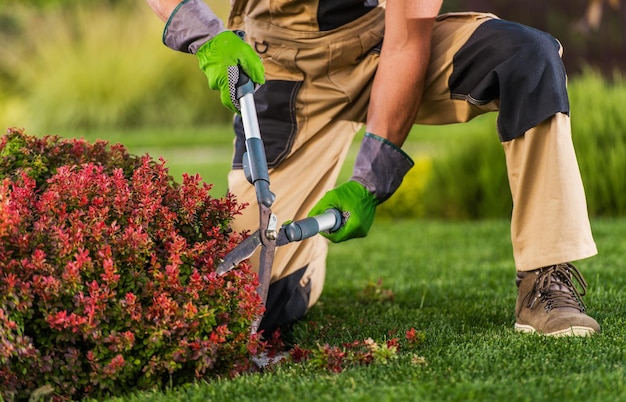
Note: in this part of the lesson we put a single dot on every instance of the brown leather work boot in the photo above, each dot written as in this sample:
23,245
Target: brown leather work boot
549,303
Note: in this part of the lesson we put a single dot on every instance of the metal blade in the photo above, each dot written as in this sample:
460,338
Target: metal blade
282,238
265,275
265,270
242,251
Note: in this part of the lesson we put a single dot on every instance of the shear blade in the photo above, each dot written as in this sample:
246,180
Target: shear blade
242,251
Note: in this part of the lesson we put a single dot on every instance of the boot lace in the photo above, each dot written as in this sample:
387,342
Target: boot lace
554,286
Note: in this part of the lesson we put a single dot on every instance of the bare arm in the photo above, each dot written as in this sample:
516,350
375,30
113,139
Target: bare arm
163,8
399,82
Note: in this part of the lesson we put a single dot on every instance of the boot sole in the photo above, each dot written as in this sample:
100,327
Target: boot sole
571,331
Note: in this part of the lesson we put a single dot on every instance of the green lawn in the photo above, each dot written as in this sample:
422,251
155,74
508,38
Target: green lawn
454,282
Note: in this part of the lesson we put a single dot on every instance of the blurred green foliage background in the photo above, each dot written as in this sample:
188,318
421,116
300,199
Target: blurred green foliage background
98,69
96,64
100,63
593,32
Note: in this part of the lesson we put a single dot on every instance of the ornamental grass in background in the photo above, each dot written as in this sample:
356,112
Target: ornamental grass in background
107,279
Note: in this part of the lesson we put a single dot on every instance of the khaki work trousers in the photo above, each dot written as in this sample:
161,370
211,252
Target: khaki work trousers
549,220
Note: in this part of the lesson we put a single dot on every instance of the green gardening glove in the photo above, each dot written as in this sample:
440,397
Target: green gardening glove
358,206
194,28
224,51
378,172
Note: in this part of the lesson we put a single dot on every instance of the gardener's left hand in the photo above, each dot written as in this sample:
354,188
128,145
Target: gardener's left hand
378,171
358,206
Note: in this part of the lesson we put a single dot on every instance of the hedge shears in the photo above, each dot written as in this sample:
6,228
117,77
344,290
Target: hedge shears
269,235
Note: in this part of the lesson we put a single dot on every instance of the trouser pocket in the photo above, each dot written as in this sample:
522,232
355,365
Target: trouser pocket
465,15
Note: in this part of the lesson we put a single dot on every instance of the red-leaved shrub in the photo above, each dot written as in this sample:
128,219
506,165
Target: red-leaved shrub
107,279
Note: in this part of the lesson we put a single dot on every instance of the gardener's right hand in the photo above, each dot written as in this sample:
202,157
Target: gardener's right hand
193,28
223,51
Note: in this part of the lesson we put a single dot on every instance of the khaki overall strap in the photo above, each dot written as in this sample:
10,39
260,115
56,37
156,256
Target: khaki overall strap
236,11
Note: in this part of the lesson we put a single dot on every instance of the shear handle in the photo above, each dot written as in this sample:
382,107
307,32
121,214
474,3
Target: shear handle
256,159
330,221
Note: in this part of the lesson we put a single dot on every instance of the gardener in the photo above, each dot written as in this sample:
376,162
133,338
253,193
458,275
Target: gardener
326,71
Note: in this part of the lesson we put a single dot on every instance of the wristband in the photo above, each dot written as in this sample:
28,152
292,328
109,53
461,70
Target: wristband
380,166
190,26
